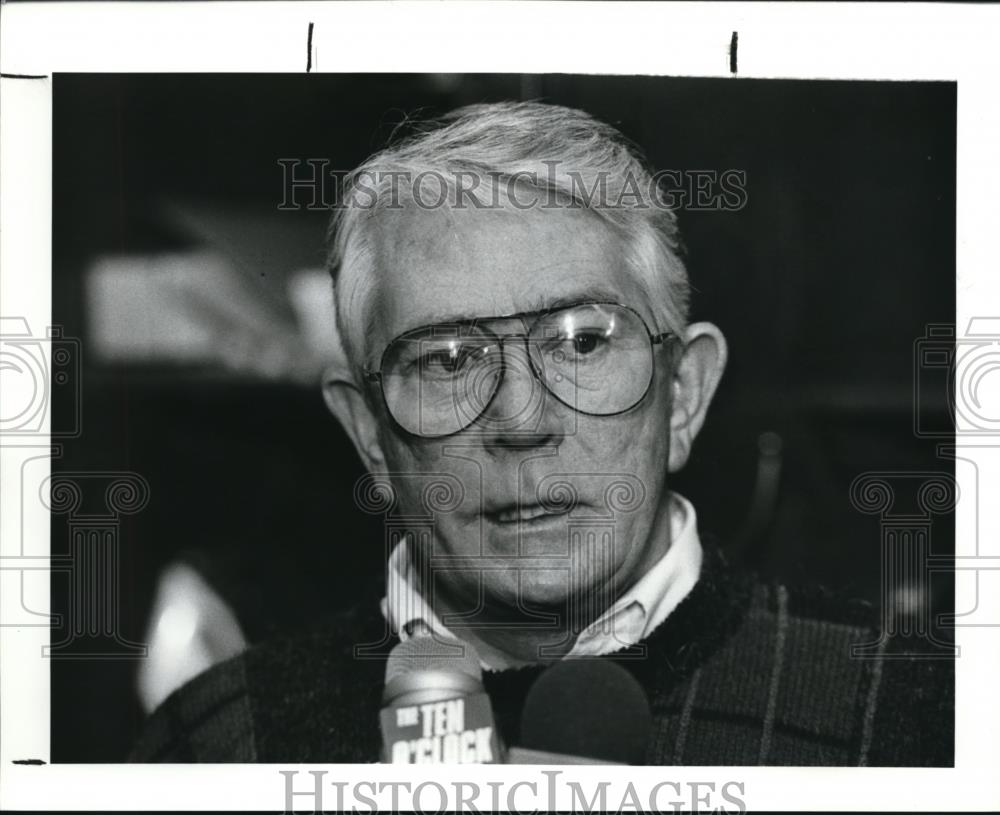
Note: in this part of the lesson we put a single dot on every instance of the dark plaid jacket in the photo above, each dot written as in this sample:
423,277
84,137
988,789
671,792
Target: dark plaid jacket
742,673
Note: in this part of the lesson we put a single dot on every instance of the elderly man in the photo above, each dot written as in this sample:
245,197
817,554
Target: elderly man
518,372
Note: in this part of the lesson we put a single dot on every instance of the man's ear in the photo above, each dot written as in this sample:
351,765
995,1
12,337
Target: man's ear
696,376
345,400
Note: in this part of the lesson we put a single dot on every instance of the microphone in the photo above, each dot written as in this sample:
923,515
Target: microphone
584,711
435,710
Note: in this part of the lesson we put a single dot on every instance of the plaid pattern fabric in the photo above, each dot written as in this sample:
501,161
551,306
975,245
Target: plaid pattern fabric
785,691
742,673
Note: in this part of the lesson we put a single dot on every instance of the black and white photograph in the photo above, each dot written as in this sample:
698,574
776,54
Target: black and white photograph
570,374
475,418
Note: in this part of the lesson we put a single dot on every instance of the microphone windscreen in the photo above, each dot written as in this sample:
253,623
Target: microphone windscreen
587,707
429,653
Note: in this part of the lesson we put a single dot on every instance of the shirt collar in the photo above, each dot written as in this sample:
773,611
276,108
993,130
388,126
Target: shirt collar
656,594
631,619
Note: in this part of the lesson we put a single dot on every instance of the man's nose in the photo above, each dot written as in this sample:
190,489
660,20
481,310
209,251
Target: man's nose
522,413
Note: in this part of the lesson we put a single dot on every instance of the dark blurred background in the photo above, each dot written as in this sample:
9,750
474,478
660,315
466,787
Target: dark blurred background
166,191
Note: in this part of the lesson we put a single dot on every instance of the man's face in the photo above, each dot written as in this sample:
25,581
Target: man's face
442,265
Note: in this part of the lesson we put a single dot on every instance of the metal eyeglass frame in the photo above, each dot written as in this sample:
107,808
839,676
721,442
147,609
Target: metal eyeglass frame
661,338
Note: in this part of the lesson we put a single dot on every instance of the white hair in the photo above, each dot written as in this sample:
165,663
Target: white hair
563,156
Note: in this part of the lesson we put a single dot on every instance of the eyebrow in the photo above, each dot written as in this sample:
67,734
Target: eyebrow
587,294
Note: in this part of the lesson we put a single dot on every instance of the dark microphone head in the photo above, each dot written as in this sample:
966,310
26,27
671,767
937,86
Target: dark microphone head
590,708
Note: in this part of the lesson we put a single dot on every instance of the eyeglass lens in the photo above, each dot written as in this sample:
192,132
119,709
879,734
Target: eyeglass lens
595,358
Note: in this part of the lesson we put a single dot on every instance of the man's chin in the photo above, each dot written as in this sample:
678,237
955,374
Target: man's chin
545,537
530,588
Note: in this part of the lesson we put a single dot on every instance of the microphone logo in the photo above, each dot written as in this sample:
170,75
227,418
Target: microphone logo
441,732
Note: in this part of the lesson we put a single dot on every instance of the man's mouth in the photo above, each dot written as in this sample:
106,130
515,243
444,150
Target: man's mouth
522,514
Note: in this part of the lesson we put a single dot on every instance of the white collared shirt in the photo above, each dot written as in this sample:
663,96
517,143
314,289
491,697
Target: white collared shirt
631,619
